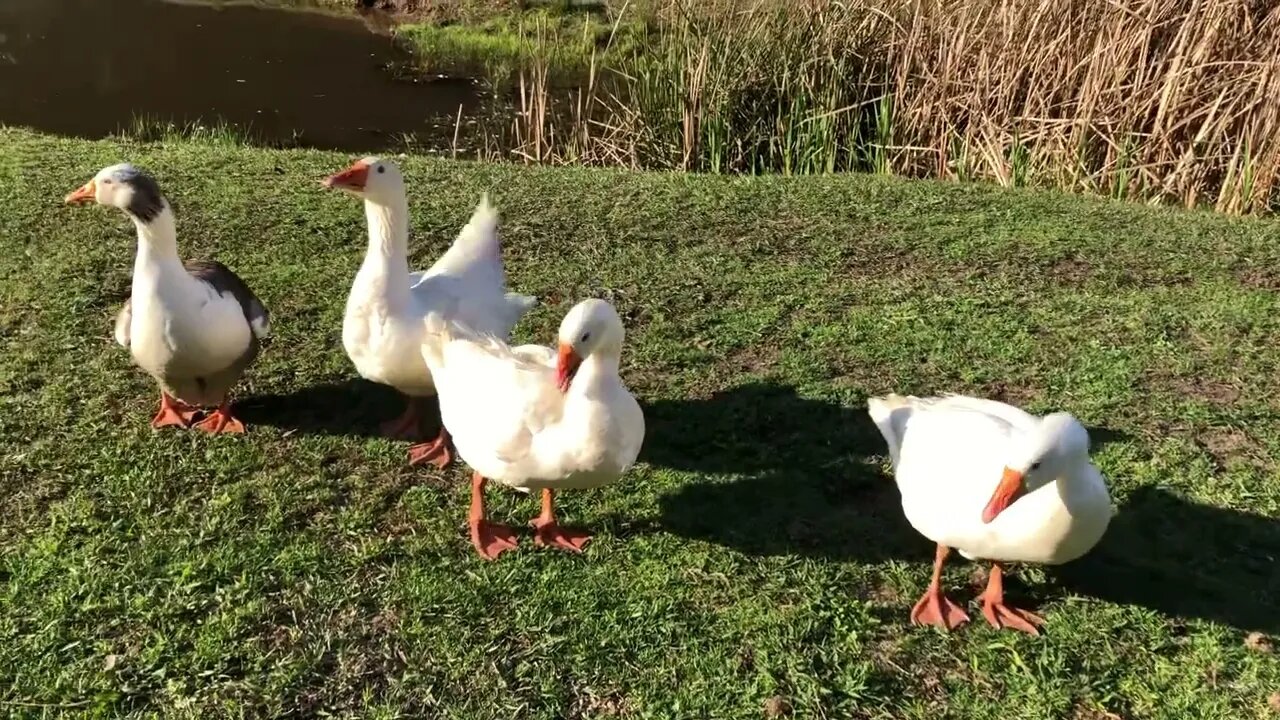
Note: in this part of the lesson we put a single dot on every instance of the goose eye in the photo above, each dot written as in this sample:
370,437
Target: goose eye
381,169
107,181
1035,465
586,336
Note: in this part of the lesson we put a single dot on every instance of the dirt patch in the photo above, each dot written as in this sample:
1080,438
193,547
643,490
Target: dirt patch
589,703
777,707
925,681
885,594
1218,393
1259,278
1211,391
1228,444
865,260
1071,271
1084,711
1015,395
1258,642
978,578
755,359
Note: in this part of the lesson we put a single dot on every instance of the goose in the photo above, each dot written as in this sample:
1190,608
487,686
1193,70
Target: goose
194,326
383,325
995,483
534,418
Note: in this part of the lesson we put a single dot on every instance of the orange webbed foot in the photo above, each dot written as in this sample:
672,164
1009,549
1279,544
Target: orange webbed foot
492,539
552,534
937,610
221,421
173,413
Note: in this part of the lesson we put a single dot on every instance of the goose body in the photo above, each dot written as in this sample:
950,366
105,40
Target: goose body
194,326
992,481
534,418
194,332
382,327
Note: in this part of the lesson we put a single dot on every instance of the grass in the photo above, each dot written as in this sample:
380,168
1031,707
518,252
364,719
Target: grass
755,559
152,129
1153,100
498,45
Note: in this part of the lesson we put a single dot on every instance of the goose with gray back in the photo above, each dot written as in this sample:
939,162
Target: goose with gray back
195,326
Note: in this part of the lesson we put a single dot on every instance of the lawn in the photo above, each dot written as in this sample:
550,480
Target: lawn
755,561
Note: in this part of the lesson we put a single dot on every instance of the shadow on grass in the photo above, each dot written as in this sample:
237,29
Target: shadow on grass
352,407
810,487
1184,559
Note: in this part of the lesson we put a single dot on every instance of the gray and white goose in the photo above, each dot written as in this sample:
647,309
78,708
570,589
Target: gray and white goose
193,326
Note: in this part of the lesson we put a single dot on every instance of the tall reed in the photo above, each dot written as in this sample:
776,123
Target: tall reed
1150,99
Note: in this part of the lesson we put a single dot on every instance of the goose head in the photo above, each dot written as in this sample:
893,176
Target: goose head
592,327
1056,446
374,179
123,186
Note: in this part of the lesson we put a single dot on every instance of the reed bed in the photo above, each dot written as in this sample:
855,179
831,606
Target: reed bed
1156,100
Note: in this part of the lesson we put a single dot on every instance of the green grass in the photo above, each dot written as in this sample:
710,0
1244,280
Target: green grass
756,551
500,45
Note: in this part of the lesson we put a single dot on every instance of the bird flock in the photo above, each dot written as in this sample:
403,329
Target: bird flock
976,476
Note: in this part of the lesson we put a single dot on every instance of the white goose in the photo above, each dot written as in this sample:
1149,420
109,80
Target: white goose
194,327
533,418
383,327
995,483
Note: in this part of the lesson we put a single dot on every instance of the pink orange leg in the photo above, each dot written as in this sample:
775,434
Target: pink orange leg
934,608
172,413
549,532
489,539
1000,615
408,425
221,421
436,452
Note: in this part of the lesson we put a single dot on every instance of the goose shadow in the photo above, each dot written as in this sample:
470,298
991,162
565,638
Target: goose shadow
353,407
794,476
1184,559
804,477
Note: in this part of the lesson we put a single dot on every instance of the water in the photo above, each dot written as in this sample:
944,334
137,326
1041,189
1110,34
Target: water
88,68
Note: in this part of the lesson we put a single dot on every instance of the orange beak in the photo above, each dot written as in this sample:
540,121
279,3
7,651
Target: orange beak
567,363
353,178
85,193
1009,489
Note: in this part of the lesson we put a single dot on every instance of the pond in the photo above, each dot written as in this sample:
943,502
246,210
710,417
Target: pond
91,68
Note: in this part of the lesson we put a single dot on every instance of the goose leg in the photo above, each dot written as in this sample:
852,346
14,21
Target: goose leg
1000,615
489,539
407,425
436,452
172,412
549,532
221,421
934,608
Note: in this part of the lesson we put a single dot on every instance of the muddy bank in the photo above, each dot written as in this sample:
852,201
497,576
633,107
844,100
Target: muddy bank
435,10
459,10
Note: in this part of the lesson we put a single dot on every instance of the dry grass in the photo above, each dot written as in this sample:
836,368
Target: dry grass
1176,100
